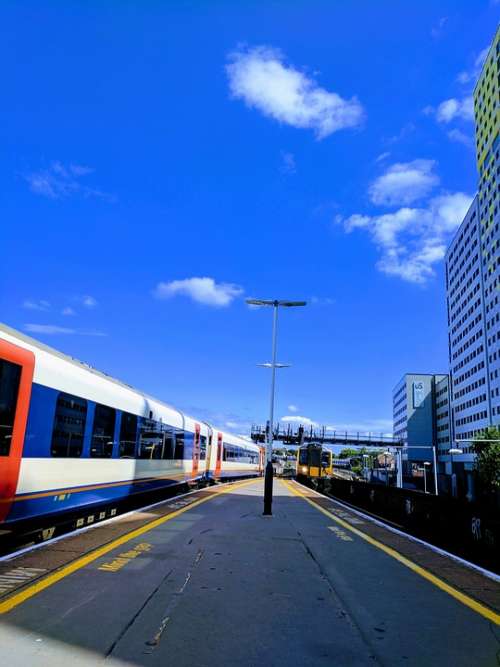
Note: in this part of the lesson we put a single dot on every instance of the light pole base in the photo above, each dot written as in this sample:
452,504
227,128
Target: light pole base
268,490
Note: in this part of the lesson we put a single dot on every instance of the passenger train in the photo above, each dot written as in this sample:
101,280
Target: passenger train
72,437
314,462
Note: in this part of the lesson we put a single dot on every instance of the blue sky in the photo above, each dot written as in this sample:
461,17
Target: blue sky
162,161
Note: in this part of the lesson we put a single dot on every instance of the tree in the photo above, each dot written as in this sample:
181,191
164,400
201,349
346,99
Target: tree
348,453
487,464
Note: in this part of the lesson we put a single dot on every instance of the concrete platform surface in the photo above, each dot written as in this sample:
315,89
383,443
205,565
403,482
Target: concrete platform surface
219,584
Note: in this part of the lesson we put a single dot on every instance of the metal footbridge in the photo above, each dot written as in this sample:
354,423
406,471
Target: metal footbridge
300,435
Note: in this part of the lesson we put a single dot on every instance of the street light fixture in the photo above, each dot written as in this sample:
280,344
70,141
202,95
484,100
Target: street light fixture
268,483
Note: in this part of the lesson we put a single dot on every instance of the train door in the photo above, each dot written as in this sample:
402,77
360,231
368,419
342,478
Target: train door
218,462
314,460
16,377
196,450
209,453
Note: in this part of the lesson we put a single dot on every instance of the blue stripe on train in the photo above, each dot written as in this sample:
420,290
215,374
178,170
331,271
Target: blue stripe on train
29,508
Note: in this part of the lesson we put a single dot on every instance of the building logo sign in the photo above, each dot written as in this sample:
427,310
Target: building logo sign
418,394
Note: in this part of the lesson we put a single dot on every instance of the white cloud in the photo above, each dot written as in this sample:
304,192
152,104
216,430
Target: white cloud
36,305
460,137
404,183
454,108
260,77
292,408
202,290
89,301
58,182
297,419
67,311
53,329
413,240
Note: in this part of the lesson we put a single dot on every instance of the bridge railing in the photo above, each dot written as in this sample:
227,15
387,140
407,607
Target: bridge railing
304,434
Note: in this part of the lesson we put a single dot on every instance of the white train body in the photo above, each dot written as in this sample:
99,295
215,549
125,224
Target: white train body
73,437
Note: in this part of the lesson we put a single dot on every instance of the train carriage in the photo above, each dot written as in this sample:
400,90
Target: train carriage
72,437
314,462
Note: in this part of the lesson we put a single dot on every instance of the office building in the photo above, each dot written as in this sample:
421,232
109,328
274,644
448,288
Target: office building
421,415
473,282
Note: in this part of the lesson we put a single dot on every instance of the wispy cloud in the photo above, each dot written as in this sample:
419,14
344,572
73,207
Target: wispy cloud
460,137
68,311
202,290
298,419
59,181
54,329
413,240
288,165
42,305
437,29
471,75
292,408
404,132
383,156
322,301
404,183
262,79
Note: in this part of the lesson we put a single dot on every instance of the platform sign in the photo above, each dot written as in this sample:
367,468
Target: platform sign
418,394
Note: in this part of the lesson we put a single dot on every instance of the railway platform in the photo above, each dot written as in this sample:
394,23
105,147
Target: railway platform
205,579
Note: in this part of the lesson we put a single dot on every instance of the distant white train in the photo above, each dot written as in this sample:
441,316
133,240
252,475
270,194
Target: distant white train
72,437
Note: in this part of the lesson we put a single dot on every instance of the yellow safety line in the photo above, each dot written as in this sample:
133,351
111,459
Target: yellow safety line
38,586
461,597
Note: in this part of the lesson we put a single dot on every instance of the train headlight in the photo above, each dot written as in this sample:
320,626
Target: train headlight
304,469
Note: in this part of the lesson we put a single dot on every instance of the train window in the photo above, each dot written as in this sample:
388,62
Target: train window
232,452
169,446
179,444
315,456
303,459
10,377
103,430
69,426
128,436
151,440
203,447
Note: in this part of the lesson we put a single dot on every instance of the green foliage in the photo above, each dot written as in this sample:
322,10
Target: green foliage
487,463
348,453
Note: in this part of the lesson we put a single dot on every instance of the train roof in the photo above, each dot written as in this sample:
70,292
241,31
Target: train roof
82,366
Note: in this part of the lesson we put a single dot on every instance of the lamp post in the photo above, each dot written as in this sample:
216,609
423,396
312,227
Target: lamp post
451,451
365,466
426,463
268,482
386,454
